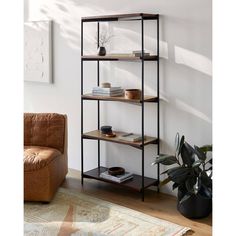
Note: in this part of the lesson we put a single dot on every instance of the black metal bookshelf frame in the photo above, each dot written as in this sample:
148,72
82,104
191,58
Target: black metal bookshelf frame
125,17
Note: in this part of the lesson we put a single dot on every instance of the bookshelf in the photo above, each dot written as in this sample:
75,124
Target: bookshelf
139,182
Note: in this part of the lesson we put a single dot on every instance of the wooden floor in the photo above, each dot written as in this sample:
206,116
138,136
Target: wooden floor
156,204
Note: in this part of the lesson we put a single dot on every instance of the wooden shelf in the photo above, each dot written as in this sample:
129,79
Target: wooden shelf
119,99
96,134
124,17
135,183
118,58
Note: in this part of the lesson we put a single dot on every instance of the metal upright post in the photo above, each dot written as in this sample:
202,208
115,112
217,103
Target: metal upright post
158,104
142,103
98,102
81,93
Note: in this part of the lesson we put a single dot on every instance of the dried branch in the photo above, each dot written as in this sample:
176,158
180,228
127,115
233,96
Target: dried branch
104,38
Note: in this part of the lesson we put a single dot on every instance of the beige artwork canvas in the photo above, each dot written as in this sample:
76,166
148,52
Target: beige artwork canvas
37,51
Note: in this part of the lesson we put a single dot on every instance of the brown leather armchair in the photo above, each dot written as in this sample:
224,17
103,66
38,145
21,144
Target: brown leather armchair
45,155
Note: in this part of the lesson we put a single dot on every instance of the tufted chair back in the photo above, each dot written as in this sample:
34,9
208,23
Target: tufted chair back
45,129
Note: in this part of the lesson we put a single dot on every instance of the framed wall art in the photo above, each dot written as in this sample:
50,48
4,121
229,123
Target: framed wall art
38,51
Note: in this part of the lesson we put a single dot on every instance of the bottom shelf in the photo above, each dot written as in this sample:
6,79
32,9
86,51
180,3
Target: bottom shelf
135,183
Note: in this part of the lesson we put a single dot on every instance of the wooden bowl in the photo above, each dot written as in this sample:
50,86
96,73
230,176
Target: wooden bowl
111,135
132,93
116,171
105,85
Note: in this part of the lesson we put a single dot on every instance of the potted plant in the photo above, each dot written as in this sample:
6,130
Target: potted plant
104,38
192,175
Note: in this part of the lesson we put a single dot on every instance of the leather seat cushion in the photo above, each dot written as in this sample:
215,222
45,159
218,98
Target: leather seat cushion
37,157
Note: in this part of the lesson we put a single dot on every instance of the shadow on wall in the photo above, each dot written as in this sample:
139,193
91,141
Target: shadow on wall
183,106
193,60
67,14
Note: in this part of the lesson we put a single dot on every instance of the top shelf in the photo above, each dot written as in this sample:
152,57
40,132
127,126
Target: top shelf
120,17
118,58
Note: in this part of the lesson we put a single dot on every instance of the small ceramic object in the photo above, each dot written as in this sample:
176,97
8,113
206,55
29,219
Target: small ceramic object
106,129
116,171
132,93
101,51
105,85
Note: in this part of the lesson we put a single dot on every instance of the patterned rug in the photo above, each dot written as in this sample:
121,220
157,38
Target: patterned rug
76,214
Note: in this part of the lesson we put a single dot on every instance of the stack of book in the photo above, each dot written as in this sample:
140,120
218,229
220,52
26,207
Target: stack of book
110,92
130,137
138,53
117,178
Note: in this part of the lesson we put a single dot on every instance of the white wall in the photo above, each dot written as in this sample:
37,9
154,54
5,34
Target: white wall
185,69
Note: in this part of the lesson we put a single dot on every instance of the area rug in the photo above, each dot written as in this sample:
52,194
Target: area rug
75,214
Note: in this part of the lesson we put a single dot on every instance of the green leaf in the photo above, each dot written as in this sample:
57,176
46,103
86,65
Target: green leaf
185,198
210,176
164,172
200,154
179,178
210,161
169,170
210,168
206,148
189,183
206,180
187,154
181,145
197,163
179,174
165,159
197,171
197,186
174,186
174,169
177,142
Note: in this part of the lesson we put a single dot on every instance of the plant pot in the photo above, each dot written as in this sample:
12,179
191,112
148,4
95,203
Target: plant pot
195,207
101,51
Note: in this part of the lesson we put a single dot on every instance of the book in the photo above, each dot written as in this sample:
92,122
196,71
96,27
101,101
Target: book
100,89
112,92
120,54
108,94
131,137
117,178
138,53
